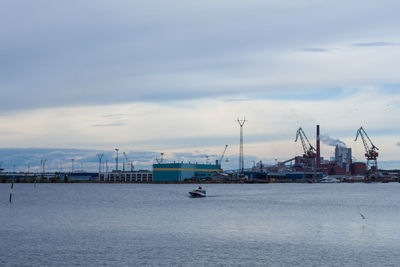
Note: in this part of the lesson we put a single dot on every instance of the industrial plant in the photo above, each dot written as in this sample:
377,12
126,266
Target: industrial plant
309,167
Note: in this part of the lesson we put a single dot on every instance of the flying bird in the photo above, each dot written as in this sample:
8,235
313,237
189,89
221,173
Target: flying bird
362,216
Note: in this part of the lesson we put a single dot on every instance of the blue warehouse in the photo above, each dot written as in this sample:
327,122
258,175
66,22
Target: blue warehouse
178,172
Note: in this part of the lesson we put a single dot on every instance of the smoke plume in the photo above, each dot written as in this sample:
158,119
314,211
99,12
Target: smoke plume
326,139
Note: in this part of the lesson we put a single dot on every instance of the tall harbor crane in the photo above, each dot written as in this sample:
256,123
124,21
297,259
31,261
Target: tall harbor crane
127,160
222,156
371,153
310,152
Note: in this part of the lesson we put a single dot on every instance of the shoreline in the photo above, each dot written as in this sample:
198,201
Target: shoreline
183,182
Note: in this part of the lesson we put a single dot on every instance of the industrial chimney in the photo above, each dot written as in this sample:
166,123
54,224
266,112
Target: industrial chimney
318,162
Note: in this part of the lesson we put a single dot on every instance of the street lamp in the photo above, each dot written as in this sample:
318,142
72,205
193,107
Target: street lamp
116,160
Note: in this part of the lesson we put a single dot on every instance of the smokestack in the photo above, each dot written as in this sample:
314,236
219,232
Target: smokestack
318,149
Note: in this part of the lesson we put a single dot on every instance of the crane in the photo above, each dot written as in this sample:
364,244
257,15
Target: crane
309,150
370,149
130,163
223,154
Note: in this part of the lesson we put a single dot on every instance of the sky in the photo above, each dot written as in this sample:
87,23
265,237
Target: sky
80,78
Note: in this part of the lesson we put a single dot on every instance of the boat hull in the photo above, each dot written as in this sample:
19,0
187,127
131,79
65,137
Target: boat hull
330,181
197,194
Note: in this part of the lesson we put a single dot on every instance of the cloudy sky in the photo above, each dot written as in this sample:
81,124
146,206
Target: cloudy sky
81,77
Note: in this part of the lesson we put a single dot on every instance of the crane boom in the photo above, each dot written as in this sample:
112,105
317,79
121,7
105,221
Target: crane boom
309,150
130,163
223,154
370,149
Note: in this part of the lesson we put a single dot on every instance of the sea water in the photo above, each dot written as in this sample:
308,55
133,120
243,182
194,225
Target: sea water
236,224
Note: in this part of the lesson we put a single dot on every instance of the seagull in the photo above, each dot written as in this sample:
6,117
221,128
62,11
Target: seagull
362,216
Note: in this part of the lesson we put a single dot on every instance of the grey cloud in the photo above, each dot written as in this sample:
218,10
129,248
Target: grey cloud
114,116
238,99
60,158
64,54
111,124
194,157
377,44
398,144
314,49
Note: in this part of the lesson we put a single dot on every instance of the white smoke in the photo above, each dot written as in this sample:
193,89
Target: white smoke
326,139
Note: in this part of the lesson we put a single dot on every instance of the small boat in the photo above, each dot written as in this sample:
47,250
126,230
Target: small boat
330,180
199,192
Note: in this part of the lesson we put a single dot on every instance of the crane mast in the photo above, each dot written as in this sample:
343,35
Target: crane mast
371,151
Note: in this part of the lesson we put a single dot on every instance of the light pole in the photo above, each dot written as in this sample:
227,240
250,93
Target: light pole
100,156
116,160
43,165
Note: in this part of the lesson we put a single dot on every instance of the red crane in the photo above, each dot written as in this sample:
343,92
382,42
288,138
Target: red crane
370,149
309,151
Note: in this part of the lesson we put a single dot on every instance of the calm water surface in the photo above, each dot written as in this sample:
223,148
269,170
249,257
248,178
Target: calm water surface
148,224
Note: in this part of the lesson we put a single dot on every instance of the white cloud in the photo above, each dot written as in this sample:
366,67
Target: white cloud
207,125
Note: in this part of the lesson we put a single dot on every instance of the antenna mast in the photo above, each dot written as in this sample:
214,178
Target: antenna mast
241,158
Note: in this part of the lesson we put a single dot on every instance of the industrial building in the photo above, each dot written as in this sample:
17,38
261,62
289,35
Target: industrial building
284,176
343,157
179,172
310,161
127,176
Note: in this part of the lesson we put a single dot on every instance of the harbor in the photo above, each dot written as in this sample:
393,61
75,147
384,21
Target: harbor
310,167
